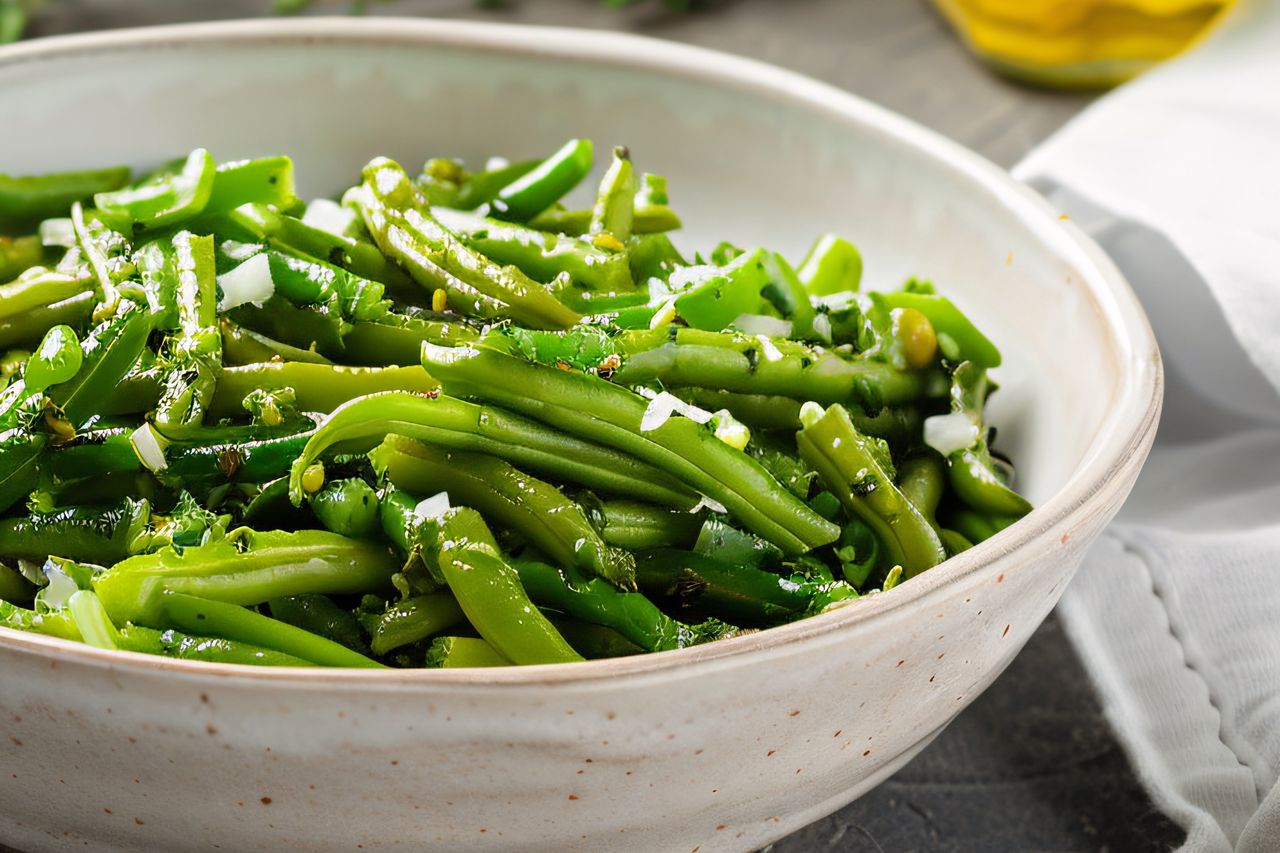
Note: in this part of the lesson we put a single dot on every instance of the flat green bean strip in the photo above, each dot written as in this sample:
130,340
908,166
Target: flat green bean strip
543,186
490,593
191,613
852,471
553,523
600,411
362,424
319,387
110,352
246,567
414,619
463,653
164,199
25,201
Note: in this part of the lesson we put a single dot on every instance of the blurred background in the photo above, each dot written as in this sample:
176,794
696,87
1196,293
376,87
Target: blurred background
1032,765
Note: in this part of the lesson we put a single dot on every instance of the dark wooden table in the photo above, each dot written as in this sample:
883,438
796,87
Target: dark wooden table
1031,765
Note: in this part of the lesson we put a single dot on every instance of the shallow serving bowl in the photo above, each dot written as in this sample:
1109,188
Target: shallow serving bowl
722,747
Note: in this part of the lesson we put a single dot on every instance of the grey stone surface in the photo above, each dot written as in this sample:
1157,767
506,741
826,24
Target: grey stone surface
1031,765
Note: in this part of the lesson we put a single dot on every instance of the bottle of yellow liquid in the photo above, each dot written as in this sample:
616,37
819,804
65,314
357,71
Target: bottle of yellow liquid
1078,43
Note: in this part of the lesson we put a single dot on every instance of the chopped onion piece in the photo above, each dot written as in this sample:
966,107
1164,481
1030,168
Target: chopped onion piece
664,315
147,443
949,433
663,406
822,327
763,324
327,215
771,352
60,588
432,507
711,504
249,282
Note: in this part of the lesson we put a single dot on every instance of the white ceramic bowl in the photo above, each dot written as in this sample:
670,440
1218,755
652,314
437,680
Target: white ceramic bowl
722,747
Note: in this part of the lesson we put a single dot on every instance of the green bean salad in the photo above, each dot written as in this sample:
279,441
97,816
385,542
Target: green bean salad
449,420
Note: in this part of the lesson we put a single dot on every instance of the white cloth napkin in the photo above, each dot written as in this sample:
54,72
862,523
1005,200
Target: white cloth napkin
1176,612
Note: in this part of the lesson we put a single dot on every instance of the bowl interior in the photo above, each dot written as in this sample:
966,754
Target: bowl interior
748,160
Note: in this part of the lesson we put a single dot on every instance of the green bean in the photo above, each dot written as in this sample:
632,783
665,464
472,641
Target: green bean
57,359
29,328
171,643
164,199
922,479
404,228
191,613
833,265
615,201
855,472
599,603
24,201
246,567
543,186
363,423
101,534
463,652
594,641
413,619
541,255
629,524
538,510
241,346
39,288
972,472
490,594
55,623
348,507
613,416
292,235
646,219
947,319
319,615
741,596
397,339
319,387
267,180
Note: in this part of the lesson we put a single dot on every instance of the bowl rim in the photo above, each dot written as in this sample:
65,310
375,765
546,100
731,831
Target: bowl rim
1123,438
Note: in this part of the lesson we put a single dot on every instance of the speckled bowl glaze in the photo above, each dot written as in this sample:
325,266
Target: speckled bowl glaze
722,747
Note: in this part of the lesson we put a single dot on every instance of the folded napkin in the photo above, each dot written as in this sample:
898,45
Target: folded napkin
1176,612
